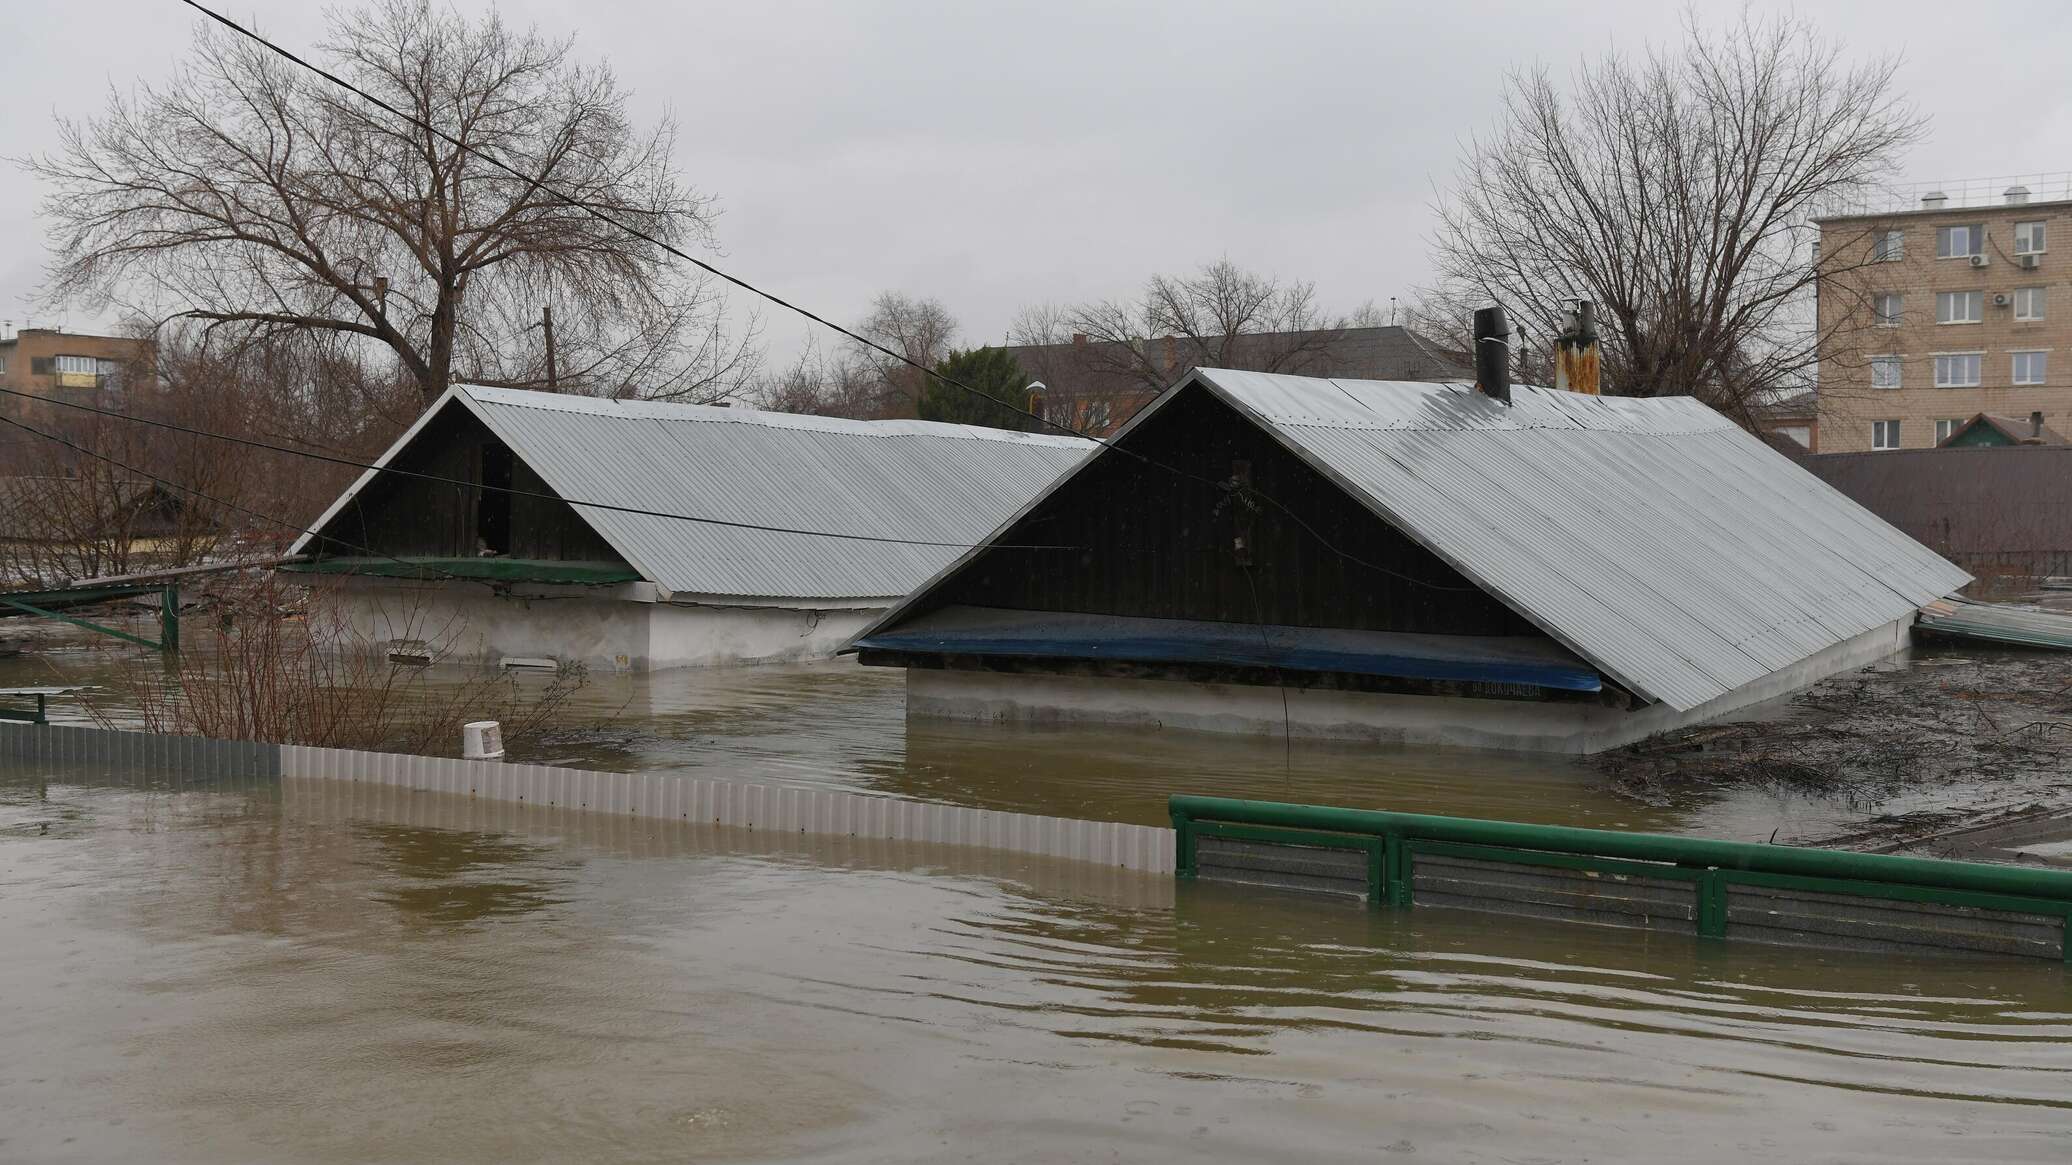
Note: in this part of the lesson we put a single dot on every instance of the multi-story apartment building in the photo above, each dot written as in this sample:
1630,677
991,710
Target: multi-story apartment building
1941,312
50,363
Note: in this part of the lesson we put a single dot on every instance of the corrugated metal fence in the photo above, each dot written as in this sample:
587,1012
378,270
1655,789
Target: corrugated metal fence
667,796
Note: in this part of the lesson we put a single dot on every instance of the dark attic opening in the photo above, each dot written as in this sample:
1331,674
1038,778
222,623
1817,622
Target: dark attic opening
478,511
1247,566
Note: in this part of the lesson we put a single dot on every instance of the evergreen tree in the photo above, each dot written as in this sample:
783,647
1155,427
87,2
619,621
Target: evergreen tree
992,371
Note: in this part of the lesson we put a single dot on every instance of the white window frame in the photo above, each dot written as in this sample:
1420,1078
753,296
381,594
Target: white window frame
89,365
1888,246
2037,243
1944,299
1895,363
1975,238
1944,430
2037,376
1885,434
2031,304
1978,362
1893,318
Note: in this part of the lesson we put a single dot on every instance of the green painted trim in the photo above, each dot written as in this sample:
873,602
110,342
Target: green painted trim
69,596
2014,904
1376,849
1566,861
17,604
40,716
1712,904
475,569
1730,856
169,618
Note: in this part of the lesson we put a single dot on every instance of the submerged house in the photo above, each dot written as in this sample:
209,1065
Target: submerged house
1397,561
639,535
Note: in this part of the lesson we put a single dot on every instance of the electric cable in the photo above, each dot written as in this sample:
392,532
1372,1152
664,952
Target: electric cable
511,490
606,216
278,521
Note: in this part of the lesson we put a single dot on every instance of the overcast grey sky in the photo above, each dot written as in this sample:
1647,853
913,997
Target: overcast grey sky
1002,154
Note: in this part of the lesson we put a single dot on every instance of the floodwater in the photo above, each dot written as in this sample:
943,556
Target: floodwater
839,724
304,971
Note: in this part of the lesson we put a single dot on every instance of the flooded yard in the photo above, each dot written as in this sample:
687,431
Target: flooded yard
302,971
838,724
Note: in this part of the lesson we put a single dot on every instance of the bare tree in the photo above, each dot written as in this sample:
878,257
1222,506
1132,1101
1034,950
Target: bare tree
112,493
818,385
251,194
1677,191
1100,362
920,329
1222,316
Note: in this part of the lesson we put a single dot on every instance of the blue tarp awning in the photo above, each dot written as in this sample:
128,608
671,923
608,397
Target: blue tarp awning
1529,660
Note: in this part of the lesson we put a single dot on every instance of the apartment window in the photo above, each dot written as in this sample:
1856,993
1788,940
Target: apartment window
1960,307
1885,371
1888,308
1889,247
86,364
2028,303
2029,367
1884,434
2028,238
1959,369
1943,429
1960,242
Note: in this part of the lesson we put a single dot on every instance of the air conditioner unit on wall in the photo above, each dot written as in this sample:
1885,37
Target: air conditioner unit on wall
2029,262
2002,299
1979,260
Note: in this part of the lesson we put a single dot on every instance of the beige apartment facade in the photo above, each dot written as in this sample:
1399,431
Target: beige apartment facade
63,365
1940,313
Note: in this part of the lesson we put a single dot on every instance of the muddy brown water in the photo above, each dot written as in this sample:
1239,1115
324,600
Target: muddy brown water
842,725
304,971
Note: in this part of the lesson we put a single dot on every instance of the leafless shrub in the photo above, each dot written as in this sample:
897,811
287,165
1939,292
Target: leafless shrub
260,671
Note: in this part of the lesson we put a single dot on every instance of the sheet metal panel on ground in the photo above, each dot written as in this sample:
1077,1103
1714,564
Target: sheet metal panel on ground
915,480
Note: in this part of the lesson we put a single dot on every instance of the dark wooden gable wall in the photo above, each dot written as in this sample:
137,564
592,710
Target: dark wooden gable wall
412,517
1147,542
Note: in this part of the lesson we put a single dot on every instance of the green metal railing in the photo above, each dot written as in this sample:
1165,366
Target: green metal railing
1391,842
46,604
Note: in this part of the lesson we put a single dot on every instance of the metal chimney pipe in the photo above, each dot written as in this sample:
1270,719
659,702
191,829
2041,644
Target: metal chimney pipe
1492,353
1577,358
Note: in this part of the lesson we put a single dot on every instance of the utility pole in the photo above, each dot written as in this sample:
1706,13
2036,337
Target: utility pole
547,323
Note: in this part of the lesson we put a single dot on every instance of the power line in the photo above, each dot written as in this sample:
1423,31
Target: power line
212,499
604,215
511,490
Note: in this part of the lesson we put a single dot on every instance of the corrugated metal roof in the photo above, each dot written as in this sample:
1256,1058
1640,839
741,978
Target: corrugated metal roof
1653,537
915,480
